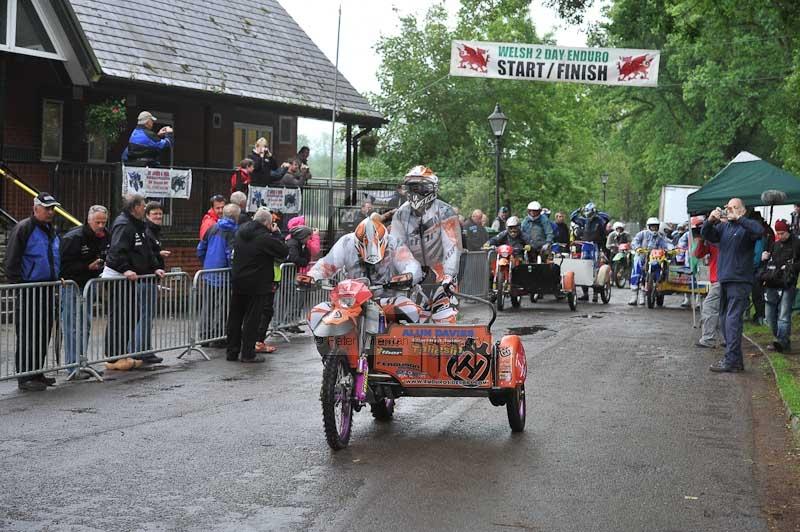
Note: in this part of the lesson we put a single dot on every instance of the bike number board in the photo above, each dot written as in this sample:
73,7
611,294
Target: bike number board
429,356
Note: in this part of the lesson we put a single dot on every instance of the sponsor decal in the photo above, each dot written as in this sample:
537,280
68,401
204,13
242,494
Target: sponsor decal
444,332
505,351
391,341
445,382
345,340
471,366
391,352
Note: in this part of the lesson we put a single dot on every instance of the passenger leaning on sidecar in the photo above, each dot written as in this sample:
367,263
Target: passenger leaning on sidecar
513,237
649,238
370,252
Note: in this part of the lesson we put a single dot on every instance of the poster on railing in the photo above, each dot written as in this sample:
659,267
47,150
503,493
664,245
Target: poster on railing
285,200
539,62
157,182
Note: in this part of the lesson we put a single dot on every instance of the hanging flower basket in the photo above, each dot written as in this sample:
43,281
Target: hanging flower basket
106,120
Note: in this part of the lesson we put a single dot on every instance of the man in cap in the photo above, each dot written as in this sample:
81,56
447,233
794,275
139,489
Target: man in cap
32,256
145,146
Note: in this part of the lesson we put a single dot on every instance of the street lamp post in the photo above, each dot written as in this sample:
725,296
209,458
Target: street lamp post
604,180
497,121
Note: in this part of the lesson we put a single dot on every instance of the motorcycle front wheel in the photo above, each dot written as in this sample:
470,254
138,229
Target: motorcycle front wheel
336,396
619,274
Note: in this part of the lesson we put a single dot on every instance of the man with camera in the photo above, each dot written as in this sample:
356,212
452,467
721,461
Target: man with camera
736,236
145,146
780,280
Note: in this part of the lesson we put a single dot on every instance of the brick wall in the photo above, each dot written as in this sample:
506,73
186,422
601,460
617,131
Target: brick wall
184,256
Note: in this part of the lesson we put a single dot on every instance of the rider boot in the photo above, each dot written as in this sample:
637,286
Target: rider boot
634,297
585,296
594,296
641,298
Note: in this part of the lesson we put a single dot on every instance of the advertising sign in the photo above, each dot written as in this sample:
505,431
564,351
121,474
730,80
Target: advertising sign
157,182
286,200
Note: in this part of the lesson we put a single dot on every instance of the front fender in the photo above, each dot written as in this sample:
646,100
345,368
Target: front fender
512,366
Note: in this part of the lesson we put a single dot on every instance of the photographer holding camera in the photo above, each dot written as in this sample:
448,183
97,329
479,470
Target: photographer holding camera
736,238
264,164
145,146
780,279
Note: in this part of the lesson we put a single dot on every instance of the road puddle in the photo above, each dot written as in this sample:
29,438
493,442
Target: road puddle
590,316
524,331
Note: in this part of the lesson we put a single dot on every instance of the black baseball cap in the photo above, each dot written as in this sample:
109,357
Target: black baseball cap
45,199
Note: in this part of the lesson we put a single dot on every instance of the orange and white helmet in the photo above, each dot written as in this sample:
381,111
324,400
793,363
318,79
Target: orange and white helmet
371,240
422,186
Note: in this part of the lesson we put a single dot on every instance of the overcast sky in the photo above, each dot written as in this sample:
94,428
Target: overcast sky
365,21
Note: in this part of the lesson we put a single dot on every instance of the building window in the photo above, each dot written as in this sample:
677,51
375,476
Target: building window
286,123
52,129
24,29
97,150
245,137
3,21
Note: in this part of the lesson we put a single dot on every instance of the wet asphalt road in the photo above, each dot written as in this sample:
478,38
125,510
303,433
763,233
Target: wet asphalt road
627,430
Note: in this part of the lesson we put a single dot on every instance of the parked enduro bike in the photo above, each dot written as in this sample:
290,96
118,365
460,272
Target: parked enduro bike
656,271
369,362
622,265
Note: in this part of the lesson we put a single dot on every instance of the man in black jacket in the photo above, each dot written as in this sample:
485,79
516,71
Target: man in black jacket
32,256
130,255
83,252
780,278
474,233
256,249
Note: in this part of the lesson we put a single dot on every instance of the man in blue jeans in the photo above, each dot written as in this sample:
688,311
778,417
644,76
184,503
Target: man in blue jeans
780,279
736,236
83,253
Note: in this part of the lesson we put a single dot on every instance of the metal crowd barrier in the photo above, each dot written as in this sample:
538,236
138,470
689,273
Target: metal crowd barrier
473,277
211,296
32,317
133,318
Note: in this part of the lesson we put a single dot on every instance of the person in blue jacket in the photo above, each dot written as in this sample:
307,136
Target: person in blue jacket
33,256
737,237
145,146
216,251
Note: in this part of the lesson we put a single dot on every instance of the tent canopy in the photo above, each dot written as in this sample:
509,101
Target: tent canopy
745,177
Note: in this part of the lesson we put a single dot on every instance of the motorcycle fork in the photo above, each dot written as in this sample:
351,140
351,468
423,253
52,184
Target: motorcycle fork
362,367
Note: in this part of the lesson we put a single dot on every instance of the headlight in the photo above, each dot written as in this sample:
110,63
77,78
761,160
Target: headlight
347,302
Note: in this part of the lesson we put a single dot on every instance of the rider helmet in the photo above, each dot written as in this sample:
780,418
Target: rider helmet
371,240
422,186
589,210
619,225
653,222
534,206
512,224
545,211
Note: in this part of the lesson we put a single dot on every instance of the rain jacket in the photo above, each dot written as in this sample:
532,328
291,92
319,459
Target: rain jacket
539,231
145,147
254,253
208,221
650,240
736,241
397,260
517,244
32,252
79,248
312,244
130,247
216,248
440,248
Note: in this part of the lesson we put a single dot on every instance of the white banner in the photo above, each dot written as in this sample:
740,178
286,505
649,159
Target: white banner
286,200
538,62
157,182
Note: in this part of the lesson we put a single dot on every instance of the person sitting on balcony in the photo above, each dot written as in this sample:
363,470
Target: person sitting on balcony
144,146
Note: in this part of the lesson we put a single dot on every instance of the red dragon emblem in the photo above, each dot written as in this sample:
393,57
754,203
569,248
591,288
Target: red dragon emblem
475,58
634,67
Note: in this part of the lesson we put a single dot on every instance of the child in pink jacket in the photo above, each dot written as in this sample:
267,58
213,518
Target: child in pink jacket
313,243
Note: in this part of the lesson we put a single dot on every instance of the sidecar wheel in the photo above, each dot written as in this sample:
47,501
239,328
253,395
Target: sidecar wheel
605,293
516,408
336,396
383,410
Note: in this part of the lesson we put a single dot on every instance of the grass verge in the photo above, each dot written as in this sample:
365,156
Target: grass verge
785,368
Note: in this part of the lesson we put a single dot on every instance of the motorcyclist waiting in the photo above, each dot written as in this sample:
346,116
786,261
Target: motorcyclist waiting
649,239
536,229
591,227
370,252
560,229
499,223
512,236
616,237
431,230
